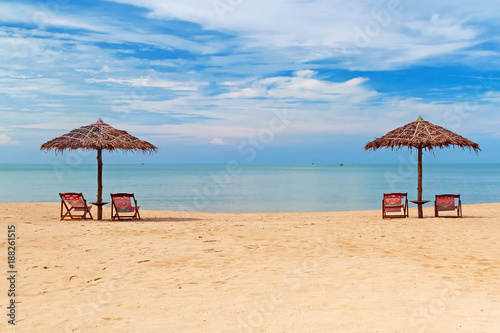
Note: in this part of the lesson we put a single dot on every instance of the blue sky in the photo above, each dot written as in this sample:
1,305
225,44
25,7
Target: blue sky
287,81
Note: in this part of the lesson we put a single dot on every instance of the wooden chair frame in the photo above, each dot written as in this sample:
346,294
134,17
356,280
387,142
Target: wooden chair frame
403,205
71,209
115,214
457,207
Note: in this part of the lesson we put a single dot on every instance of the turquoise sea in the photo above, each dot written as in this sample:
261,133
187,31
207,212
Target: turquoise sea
234,187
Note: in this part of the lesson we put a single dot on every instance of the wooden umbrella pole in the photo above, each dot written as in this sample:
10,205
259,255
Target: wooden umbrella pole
99,183
421,134
419,189
98,136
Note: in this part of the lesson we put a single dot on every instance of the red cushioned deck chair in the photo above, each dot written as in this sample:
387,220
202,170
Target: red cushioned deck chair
394,203
447,202
74,207
122,208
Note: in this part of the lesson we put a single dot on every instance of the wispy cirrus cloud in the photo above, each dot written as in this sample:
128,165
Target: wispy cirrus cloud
211,72
354,36
150,82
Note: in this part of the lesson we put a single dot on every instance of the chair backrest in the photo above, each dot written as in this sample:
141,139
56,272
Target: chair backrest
393,199
393,202
74,199
123,202
446,201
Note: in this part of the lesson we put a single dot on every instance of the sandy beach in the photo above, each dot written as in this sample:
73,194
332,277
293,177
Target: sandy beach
280,272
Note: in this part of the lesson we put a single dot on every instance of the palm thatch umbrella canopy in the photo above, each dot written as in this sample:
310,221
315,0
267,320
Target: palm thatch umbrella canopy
98,136
421,134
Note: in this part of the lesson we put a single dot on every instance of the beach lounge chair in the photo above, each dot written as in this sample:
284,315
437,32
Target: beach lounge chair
395,203
122,208
447,202
74,207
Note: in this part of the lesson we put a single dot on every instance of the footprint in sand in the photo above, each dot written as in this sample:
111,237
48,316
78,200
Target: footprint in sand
97,279
212,250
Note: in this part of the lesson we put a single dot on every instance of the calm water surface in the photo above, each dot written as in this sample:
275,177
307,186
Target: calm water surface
251,188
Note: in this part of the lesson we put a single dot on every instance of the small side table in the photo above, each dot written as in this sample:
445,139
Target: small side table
99,208
420,203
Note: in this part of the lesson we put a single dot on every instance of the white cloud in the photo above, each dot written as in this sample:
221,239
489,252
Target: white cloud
237,119
20,88
442,28
96,31
371,36
244,93
60,126
359,35
44,73
104,69
197,131
492,96
151,82
303,86
218,141
6,140
52,105
319,28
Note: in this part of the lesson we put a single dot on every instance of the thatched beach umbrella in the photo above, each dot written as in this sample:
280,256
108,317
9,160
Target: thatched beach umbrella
98,136
421,134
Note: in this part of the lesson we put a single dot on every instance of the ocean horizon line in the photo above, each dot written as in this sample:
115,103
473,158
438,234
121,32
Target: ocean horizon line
240,163
227,187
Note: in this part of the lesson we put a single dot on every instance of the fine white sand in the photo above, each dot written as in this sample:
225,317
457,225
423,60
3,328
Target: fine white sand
281,272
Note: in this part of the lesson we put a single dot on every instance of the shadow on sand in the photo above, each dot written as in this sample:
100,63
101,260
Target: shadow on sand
155,220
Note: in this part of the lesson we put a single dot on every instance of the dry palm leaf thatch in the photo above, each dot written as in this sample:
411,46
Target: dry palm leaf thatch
421,134
98,136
